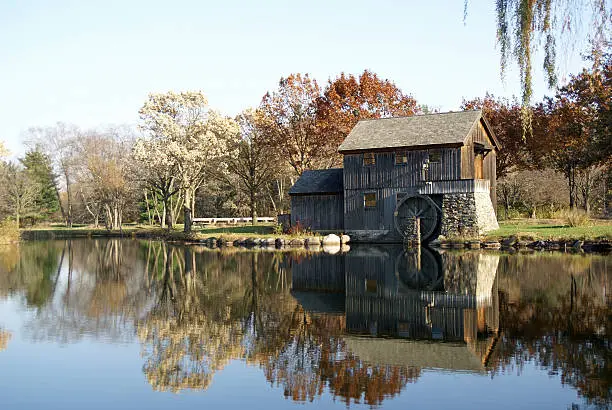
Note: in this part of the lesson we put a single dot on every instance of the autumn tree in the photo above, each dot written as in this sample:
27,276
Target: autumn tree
105,175
184,138
59,143
251,159
580,123
504,116
21,191
291,126
348,99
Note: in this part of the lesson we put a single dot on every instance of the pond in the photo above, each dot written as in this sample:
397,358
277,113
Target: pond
122,324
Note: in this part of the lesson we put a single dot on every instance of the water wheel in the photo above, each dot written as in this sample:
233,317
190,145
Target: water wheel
419,269
419,206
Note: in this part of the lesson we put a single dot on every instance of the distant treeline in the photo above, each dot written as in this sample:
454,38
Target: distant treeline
186,158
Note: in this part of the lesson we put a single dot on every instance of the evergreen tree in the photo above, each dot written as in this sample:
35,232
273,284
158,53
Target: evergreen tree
39,168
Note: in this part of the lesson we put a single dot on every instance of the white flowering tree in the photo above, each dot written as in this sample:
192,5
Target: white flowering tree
185,139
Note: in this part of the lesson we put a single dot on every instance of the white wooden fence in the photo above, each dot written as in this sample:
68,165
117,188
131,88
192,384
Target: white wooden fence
231,221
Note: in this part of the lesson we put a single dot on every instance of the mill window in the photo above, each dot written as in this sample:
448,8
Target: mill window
371,285
401,158
435,157
369,159
369,200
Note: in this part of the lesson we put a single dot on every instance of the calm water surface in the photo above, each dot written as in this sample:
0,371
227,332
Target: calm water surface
122,324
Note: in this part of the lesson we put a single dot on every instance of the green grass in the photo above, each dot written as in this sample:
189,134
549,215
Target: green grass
551,229
529,229
262,230
229,233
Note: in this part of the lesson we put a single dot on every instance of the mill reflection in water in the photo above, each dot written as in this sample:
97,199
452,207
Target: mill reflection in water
446,304
359,326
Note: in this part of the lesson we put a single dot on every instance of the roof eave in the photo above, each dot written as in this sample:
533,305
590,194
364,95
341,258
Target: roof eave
490,131
398,148
314,193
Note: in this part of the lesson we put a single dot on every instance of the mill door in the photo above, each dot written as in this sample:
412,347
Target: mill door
478,160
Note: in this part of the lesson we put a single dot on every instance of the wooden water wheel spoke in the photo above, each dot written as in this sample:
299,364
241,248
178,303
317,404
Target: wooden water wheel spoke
426,275
416,206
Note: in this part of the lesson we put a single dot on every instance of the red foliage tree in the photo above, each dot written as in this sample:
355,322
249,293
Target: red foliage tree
348,99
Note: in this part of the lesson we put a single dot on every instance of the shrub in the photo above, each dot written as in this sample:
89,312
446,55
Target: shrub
9,231
277,229
576,218
298,229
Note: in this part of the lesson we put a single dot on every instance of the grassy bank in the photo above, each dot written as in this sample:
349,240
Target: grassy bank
229,233
529,229
552,229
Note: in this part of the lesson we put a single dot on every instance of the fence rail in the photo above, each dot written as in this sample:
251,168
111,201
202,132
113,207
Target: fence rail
212,221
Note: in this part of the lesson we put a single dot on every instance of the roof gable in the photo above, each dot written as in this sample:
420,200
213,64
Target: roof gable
320,181
450,128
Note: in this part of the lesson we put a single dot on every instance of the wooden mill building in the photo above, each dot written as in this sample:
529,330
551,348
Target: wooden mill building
438,167
450,299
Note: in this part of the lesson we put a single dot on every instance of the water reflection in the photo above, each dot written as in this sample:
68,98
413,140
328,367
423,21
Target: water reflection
360,325
5,336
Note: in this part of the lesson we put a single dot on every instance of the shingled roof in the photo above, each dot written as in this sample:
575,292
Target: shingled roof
320,181
449,128
415,353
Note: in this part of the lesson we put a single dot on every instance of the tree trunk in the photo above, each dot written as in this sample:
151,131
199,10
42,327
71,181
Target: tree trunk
571,180
253,210
168,213
148,208
193,199
115,216
162,219
109,217
187,211
59,200
586,190
68,201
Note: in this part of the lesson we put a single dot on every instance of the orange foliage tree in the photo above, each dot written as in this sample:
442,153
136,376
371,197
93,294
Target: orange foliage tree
505,118
581,125
290,124
305,125
348,99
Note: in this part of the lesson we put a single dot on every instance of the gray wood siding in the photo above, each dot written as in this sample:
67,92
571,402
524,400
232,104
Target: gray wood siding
479,135
318,212
490,174
386,174
381,312
321,272
381,217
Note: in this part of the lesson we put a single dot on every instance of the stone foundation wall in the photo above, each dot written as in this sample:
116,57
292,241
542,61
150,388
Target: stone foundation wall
459,215
487,220
467,214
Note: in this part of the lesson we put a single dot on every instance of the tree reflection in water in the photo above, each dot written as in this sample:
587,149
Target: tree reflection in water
5,337
557,313
194,309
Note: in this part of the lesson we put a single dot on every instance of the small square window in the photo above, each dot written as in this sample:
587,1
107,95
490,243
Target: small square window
371,285
401,158
435,157
369,158
369,200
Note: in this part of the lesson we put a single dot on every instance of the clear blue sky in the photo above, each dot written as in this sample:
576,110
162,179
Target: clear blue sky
94,62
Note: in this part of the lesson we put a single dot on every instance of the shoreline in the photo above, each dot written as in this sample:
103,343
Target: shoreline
313,241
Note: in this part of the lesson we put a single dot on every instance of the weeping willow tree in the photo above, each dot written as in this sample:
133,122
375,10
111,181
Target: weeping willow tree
523,26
